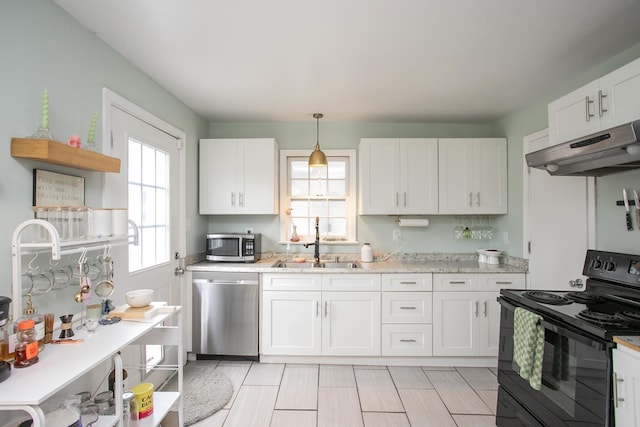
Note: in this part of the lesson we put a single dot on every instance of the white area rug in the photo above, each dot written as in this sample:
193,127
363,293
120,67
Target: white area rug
206,390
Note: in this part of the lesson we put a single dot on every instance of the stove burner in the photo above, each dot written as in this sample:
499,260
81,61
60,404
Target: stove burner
630,316
585,297
547,298
603,319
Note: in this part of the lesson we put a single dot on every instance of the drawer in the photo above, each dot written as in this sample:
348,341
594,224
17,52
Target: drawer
407,282
350,282
455,282
407,307
407,340
495,282
291,282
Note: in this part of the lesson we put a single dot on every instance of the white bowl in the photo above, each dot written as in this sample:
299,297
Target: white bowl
139,297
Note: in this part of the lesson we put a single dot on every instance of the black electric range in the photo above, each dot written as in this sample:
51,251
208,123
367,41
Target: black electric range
579,326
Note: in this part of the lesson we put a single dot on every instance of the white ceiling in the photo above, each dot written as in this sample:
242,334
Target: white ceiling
361,60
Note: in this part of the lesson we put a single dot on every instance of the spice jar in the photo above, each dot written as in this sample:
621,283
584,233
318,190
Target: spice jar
102,401
27,347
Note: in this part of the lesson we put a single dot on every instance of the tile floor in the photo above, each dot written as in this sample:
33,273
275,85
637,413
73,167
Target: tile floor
291,395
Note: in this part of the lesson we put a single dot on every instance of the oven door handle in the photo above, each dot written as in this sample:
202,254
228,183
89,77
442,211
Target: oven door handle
563,331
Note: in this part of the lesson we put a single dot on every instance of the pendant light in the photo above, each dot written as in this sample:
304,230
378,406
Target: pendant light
317,158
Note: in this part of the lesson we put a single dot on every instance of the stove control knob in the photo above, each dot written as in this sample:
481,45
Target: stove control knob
597,264
610,266
576,283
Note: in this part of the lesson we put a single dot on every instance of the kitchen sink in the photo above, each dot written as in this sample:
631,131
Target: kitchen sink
323,264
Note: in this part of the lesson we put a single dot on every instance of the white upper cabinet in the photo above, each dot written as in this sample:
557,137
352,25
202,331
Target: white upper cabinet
238,176
604,103
472,176
398,176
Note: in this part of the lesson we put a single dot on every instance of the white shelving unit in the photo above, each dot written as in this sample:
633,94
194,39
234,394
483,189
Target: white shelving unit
61,365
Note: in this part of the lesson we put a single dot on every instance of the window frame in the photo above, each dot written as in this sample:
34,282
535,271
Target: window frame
351,199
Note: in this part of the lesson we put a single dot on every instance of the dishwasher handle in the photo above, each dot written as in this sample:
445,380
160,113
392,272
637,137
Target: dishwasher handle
224,282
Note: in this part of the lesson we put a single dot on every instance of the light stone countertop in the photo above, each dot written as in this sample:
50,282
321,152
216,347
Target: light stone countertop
391,266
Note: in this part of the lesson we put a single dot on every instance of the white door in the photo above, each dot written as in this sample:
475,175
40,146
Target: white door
151,185
351,323
559,223
291,323
455,324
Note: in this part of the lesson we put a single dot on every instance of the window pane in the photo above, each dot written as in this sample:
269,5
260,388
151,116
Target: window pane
299,208
337,188
318,208
135,155
162,252
148,165
316,173
337,227
161,169
148,242
299,188
135,198
161,210
302,225
337,169
318,188
300,169
148,206
337,208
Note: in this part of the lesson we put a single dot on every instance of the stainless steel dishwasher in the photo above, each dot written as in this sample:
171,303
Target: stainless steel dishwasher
225,313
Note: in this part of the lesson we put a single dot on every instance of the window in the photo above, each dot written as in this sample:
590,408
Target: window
324,193
148,204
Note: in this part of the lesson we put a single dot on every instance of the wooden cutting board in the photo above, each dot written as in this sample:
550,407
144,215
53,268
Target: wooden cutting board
127,312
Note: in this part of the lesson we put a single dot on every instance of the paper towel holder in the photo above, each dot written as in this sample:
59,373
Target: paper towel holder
411,222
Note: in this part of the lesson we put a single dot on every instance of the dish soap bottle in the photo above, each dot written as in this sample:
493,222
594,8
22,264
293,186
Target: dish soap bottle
366,253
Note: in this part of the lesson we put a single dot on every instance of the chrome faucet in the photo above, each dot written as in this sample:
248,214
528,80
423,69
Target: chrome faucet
316,252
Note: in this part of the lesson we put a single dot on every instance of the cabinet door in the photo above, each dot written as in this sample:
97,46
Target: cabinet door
489,176
622,90
218,176
258,190
291,323
455,324
418,167
351,323
379,176
574,115
455,176
627,406
488,323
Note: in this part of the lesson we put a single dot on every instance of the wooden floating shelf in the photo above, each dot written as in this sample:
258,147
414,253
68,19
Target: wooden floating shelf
57,153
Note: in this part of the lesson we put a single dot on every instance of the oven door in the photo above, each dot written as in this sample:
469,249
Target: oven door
576,377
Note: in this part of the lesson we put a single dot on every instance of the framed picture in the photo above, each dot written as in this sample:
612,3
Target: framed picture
57,189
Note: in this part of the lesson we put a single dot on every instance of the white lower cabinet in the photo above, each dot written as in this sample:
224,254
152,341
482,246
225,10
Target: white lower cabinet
314,323
627,386
407,314
466,314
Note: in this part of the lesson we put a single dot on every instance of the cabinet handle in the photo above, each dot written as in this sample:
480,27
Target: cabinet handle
325,309
405,199
470,202
408,283
397,199
478,198
317,308
504,283
601,109
616,381
241,199
233,199
408,308
587,101
458,283
476,308
484,308
411,340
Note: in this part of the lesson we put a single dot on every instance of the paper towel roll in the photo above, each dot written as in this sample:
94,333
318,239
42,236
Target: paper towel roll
412,222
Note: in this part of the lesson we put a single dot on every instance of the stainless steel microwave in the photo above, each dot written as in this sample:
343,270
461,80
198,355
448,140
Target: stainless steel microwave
233,247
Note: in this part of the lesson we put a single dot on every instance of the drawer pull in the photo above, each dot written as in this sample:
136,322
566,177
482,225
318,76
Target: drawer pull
504,283
411,340
408,308
408,283
458,283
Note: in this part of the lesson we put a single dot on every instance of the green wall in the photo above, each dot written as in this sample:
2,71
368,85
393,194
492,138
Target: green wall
42,46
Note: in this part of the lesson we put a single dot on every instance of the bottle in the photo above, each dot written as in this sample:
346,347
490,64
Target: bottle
27,347
366,253
8,340
30,312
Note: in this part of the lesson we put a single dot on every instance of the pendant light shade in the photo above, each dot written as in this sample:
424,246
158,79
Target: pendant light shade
317,158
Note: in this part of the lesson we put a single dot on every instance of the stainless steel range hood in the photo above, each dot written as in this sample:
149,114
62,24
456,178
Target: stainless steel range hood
603,153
